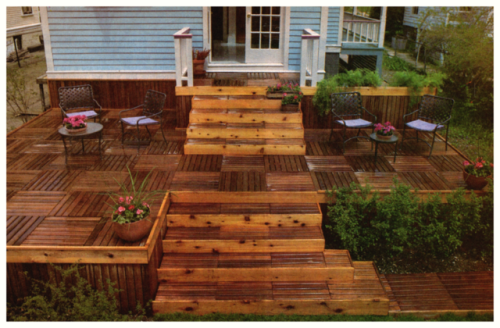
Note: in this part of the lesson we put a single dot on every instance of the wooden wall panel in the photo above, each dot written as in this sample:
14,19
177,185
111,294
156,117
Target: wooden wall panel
387,108
117,93
183,107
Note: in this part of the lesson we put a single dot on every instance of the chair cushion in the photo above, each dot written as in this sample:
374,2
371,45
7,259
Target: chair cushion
133,120
89,114
423,125
357,123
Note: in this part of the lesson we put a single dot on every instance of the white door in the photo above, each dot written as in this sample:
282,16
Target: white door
264,35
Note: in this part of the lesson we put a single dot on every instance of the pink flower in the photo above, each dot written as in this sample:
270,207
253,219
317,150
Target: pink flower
128,199
139,212
121,199
284,94
466,163
478,165
295,97
131,207
121,209
145,204
387,123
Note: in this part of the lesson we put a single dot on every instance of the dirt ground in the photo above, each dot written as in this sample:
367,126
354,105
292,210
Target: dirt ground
31,68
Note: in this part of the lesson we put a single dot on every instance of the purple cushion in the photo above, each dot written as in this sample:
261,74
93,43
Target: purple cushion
423,126
133,120
89,114
357,123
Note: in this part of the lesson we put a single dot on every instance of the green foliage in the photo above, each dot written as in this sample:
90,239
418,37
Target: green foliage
471,316
19,95
402,225
76,301
416,82
396,64
291,98
356,78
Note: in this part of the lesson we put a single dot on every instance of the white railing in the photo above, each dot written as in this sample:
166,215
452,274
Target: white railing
358,29
309,58
183,42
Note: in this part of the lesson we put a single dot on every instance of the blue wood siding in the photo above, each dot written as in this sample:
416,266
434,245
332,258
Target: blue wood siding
119,38
301,18
332,34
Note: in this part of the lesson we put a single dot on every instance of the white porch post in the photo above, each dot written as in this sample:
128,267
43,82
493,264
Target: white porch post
381,31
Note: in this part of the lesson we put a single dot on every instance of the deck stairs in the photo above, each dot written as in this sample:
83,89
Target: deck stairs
243,125
260,259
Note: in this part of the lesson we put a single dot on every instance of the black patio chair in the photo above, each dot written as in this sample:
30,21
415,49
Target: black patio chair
76,99
434,113
152,114
348,104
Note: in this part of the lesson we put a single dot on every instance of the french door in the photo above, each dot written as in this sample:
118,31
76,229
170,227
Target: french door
264,35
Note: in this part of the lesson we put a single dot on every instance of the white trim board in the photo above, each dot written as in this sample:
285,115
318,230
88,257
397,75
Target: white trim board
46,38
112,75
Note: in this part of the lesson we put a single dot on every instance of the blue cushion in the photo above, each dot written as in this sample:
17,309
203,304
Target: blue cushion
423,125
357,123
133,120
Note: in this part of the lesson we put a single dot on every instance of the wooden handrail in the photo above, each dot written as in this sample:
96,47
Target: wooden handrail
309,57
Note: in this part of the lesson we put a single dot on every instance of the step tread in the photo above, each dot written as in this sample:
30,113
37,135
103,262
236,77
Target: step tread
259,125
242,233
195,141
215,208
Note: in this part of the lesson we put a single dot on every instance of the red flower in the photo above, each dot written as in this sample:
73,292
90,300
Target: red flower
466,163
295,97
478,165
131,207
491,164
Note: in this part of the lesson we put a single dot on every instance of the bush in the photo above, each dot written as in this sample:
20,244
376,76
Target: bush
356,78
416,82
70,302
401,224
396,64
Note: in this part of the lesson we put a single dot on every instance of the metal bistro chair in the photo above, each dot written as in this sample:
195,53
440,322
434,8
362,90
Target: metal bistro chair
349,104
152,108
79,97
435,109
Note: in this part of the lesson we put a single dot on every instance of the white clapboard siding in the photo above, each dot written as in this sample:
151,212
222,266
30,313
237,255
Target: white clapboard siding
119,38
332,34
300,19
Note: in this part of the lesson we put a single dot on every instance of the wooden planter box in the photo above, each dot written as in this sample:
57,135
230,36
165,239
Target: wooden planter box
198,67
278,95
290,108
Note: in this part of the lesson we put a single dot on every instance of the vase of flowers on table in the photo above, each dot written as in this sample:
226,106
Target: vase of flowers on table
276,91
476,173
131,214
384,130
290,102
75,124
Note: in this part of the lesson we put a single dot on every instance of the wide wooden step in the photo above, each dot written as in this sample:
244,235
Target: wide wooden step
239,239
336,266
200,146
235,102
245,130
224,115
216,215
364,295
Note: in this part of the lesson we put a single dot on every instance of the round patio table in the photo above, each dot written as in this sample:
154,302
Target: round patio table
92,128
394,139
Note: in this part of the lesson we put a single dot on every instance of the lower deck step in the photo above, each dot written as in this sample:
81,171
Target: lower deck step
219,115
245,130
234,239
333,265
197,146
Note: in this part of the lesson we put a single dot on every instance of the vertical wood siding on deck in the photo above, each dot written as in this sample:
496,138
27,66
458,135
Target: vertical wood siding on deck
301,18
332,35
119,38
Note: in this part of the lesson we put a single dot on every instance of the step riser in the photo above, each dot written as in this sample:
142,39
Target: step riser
242,246
245,118
237,103
269,220
272,307
257,274
199,149
263,133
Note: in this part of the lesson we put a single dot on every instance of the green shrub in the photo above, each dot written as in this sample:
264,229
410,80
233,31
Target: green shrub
357,78
416,82
401,224
70,302
396,64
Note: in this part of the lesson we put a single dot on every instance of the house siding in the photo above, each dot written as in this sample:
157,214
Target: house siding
301,18
332,35
119,38
15,17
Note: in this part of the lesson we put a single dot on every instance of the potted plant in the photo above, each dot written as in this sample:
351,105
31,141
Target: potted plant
75,124
476,173
384,130
199,61
131,209
276,92
290,102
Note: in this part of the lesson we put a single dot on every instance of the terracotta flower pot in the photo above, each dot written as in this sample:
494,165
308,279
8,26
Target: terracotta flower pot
76,130
473,182
198,67
133,231
290,108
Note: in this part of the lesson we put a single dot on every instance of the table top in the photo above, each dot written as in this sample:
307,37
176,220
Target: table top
374,137
91,129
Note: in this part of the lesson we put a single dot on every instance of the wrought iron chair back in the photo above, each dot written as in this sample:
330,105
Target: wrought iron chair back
153,103
76,97
347,104
435,109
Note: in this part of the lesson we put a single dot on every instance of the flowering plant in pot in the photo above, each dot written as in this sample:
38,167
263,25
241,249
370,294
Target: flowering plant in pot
276,92
290,102
131,209
199,61
476,173
384,130
75,124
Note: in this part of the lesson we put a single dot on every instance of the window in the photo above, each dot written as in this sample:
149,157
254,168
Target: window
464,8
265,28
27,10
414,10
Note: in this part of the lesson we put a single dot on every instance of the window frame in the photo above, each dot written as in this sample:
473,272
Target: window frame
413,9
24,14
